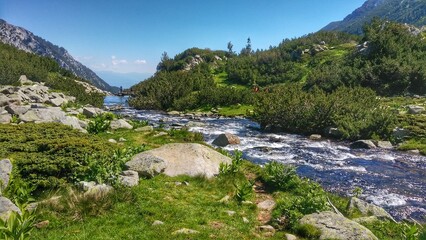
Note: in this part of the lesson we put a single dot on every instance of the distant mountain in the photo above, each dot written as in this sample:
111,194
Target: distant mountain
27,41
126,80
404,11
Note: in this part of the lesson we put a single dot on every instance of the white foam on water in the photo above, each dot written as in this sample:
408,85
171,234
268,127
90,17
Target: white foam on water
384,198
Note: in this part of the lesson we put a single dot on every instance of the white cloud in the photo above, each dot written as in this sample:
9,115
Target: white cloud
116,61
140,61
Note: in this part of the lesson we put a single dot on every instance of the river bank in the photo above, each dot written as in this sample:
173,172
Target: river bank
389,178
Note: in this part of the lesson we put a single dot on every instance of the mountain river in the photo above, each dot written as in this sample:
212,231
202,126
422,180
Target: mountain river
391,179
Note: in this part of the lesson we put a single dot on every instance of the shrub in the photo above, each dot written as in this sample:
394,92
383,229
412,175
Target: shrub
18,226
99,124
243,191
234,167
356,112
280,176
48,154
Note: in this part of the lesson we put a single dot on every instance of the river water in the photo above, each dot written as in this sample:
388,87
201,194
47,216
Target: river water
392,179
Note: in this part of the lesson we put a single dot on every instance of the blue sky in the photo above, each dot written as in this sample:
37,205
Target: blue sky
130,35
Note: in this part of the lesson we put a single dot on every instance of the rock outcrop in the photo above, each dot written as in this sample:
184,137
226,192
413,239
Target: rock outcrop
334,226
178,159
365,144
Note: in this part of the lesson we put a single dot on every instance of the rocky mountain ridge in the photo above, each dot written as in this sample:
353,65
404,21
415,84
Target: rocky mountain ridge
404,11
27,41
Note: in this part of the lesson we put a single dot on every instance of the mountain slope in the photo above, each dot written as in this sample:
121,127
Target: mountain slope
27,41
404,11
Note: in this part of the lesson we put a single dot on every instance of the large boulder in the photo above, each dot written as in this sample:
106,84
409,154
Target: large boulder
5,170
334,226
415,109
368,209
17,109
53,114
365,144
91,112
6,208
6,100
178,159
384,144
119,124
225,139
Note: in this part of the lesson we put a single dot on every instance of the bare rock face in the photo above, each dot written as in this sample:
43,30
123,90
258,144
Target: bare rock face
28,42
225,139
334,226
178,159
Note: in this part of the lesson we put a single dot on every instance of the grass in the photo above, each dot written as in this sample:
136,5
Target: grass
195,206
221,79
236,110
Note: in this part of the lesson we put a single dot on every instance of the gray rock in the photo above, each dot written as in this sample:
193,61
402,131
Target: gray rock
93,189
415,109
146,165
315,137
129,178
368,209
365,144
120,124
334,226
53,114
17,109
160,134
225,139
363,220
9,90
91,112
6,100
122,139
267,229
5,171
23,80
384,144
5,118
145,129
6,208
179,159
289,236
57,102
157,222
112,140
245,220
266,205
230,213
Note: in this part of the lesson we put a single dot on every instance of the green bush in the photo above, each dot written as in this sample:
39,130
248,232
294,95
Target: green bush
280,176
356,112
99,124
234,167
48,154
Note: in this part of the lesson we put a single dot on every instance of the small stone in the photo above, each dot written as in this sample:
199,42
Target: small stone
185,183
157,222
414,151
230,213
364,144
384,144
185,231
112,140
160,134
122,139
245,220
266,205
315,137
247,202
129,178
290,236
267,230
42,224
178,183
